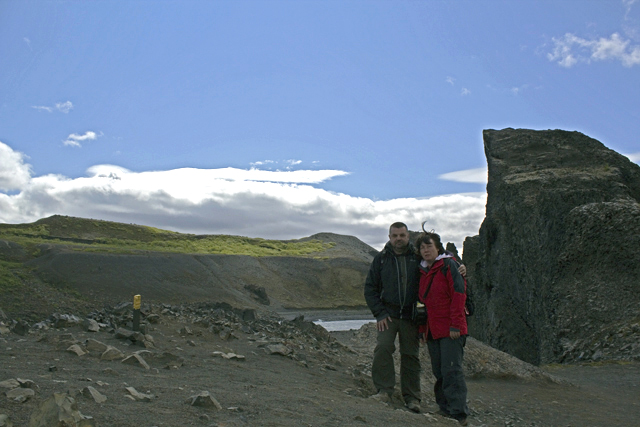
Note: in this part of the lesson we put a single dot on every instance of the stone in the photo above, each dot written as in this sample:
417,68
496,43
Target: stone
136,360
26,383
537,282
229,356
20,328
112,353
205,400
122,333
90,325
5,421
95,346
94,394
140,397
153,318
20,394
167,360
10,383
280,349
76,349
64,320
60,410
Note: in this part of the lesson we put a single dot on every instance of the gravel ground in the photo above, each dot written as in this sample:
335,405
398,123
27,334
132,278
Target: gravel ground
293,373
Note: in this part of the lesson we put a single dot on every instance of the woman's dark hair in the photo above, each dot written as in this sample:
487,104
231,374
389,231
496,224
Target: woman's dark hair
429,238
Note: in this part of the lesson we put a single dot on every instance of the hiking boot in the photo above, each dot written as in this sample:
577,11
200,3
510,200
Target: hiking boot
414,406
443,413
382,397
462,419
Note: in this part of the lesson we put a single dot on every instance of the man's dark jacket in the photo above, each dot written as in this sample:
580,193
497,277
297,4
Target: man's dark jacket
383,291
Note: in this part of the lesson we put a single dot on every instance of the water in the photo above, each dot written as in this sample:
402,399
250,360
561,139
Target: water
342,325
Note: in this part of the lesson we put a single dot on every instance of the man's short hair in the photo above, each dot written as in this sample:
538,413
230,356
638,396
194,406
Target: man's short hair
398,225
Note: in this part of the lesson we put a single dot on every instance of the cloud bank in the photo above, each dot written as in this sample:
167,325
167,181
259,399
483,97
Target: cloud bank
254,203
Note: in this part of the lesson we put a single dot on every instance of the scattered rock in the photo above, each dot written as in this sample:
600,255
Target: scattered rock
9,384
20,394
5,421
60,410
95,346
140,397
20,328
167,360
280,349
94,394
205,400
137,360
153,318
91,325
76,349
112,353
64,320
230,356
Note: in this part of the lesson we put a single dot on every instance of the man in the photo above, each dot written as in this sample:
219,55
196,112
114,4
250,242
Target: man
391,290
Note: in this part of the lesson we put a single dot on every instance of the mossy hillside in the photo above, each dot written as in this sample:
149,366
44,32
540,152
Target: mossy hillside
112,237
24,296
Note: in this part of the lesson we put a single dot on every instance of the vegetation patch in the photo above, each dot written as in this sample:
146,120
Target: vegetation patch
111,237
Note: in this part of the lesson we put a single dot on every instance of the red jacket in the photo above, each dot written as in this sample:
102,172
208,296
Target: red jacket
445,300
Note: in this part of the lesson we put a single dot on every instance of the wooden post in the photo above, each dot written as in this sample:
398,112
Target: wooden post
136,312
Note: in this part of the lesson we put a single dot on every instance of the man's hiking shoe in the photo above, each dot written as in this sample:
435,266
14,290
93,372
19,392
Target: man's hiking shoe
414,406
462,419
442,413
382,397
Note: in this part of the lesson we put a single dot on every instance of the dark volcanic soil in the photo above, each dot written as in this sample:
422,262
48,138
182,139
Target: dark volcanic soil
323,380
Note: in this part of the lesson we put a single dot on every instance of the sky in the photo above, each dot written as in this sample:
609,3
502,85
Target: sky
282,119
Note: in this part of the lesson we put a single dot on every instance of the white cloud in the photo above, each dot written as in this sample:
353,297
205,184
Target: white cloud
465,91
63,107
43,108
634,157
516,90
478,176
74,140
571,49
255,203
450,80
14,172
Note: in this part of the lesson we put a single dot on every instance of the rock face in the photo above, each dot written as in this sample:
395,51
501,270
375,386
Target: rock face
555,269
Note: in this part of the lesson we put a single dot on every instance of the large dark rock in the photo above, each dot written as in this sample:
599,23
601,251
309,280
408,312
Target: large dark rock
555,267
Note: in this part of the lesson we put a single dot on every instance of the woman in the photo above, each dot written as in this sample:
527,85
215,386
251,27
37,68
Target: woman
443,291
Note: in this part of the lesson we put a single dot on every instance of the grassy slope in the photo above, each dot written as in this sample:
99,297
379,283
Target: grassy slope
22,294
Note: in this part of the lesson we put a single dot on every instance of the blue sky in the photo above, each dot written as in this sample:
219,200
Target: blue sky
280,119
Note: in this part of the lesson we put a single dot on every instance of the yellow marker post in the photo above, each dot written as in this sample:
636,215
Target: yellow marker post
137,299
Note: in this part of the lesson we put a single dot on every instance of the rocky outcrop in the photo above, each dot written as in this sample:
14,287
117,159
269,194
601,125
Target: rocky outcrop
555,268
